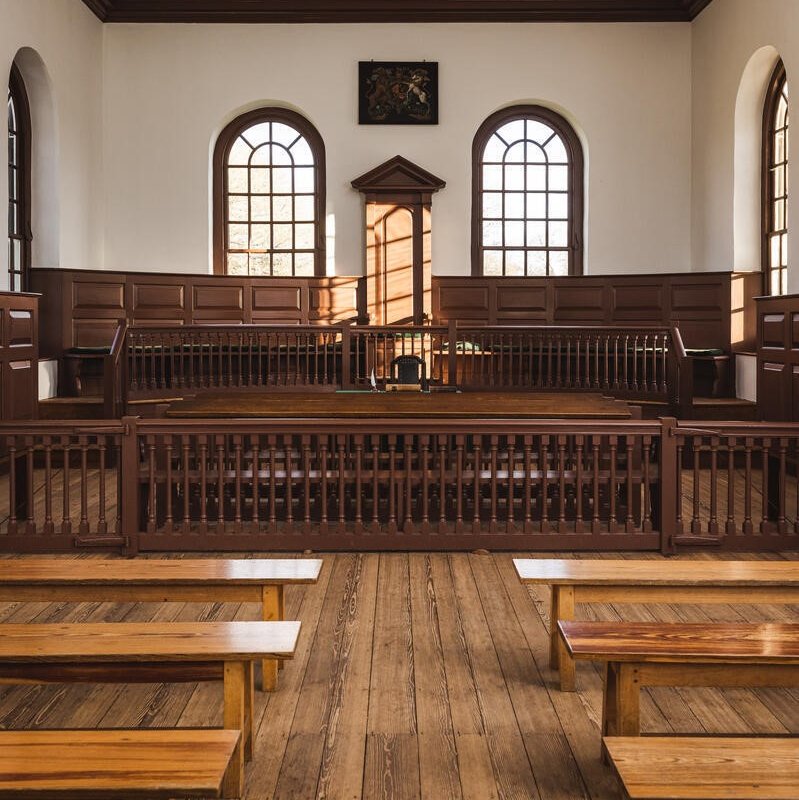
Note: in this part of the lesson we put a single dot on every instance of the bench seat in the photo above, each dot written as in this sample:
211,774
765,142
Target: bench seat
115,764
706,768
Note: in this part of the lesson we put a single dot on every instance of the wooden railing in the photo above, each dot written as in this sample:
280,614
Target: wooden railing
401,485
629,362
115,375
739,485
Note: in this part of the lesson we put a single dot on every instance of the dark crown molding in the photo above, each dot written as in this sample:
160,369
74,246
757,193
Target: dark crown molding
341,11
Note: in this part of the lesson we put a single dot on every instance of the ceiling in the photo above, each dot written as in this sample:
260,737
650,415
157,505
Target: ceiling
396,10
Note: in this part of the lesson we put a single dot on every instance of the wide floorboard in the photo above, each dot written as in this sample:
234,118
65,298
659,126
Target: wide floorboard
418,676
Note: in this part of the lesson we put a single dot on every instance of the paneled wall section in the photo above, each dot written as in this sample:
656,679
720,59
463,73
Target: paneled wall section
19,356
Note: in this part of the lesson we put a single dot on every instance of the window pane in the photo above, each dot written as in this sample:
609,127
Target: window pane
238,209
538,132
556,152
514,263
304,235
517,154
557,234
282,209
304,209
282,264
537,178
558,179
492,262
537,234
304,264
260,208
514,205
514,177
492,205
492,177
260,181
261,157
260,238
512,131
536,205
304,180
558,207
301,153
492,234
284,134
514,234
495,150
260,263
238,237
237,263
282,237
237,180
536,263
282,180
558,262
239,153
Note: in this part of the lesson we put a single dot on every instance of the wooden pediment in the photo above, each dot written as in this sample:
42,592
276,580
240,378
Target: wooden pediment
398,175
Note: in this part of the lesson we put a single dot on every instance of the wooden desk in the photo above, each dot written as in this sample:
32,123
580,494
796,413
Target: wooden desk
576,581
127,652
706,768
680,654
401,405
145,764
193,580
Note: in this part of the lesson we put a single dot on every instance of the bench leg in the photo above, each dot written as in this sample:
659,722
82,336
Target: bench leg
271,612
563,610
281,610
249,711
628,699
235,683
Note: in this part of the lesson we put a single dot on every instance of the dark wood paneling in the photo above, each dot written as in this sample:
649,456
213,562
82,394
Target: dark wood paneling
300,11
778,358
19,355
713,310
82,308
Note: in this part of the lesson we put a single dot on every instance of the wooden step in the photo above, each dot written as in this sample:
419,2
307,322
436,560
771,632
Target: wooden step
90,407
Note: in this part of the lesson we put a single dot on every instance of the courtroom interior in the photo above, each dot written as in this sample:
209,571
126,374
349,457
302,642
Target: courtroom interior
399,400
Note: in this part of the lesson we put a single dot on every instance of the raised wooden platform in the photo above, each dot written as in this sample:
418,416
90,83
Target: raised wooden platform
390,405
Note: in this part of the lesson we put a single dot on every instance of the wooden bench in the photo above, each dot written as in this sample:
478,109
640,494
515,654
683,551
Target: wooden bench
575,581
146,764
128,652
706,768
162,580
639,654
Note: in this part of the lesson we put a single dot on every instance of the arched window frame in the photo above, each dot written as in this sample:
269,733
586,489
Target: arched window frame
19,171
222,149
575,179
776,88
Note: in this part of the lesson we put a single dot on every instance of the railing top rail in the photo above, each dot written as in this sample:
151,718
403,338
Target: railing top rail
234,327
399,329
566,328
733,428
676,338
55,427
400,426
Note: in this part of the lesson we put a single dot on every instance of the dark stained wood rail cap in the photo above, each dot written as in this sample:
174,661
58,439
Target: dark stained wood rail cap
106,765
158,572
706,768
401,405
771,642
566,572
100,642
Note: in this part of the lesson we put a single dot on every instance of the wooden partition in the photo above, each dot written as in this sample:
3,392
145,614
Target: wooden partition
712,309
83,308
778,358
19,355
377,484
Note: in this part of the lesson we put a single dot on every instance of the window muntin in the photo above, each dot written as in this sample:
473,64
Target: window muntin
18,184
528,198
775,180
272,206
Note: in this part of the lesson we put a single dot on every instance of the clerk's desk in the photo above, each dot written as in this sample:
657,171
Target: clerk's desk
400,405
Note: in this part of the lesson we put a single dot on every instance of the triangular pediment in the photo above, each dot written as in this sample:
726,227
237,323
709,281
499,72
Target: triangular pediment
398,175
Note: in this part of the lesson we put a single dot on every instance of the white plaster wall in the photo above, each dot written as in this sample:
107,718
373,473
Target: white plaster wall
69,40
725,38
169,89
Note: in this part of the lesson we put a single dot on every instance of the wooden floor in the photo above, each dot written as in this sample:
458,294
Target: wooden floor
417,676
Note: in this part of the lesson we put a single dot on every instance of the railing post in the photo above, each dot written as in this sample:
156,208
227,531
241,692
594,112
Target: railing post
129,495
346,355
452,352
668,475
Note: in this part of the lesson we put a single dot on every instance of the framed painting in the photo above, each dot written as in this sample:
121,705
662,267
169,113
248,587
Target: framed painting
398,93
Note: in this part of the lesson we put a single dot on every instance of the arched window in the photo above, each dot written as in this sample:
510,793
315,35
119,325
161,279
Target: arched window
19,183
775,184
269,196
527,202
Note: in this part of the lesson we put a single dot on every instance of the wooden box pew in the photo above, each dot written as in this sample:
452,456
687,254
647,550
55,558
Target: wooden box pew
717,655
128,652
196,580
576,581
706,768
107,765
